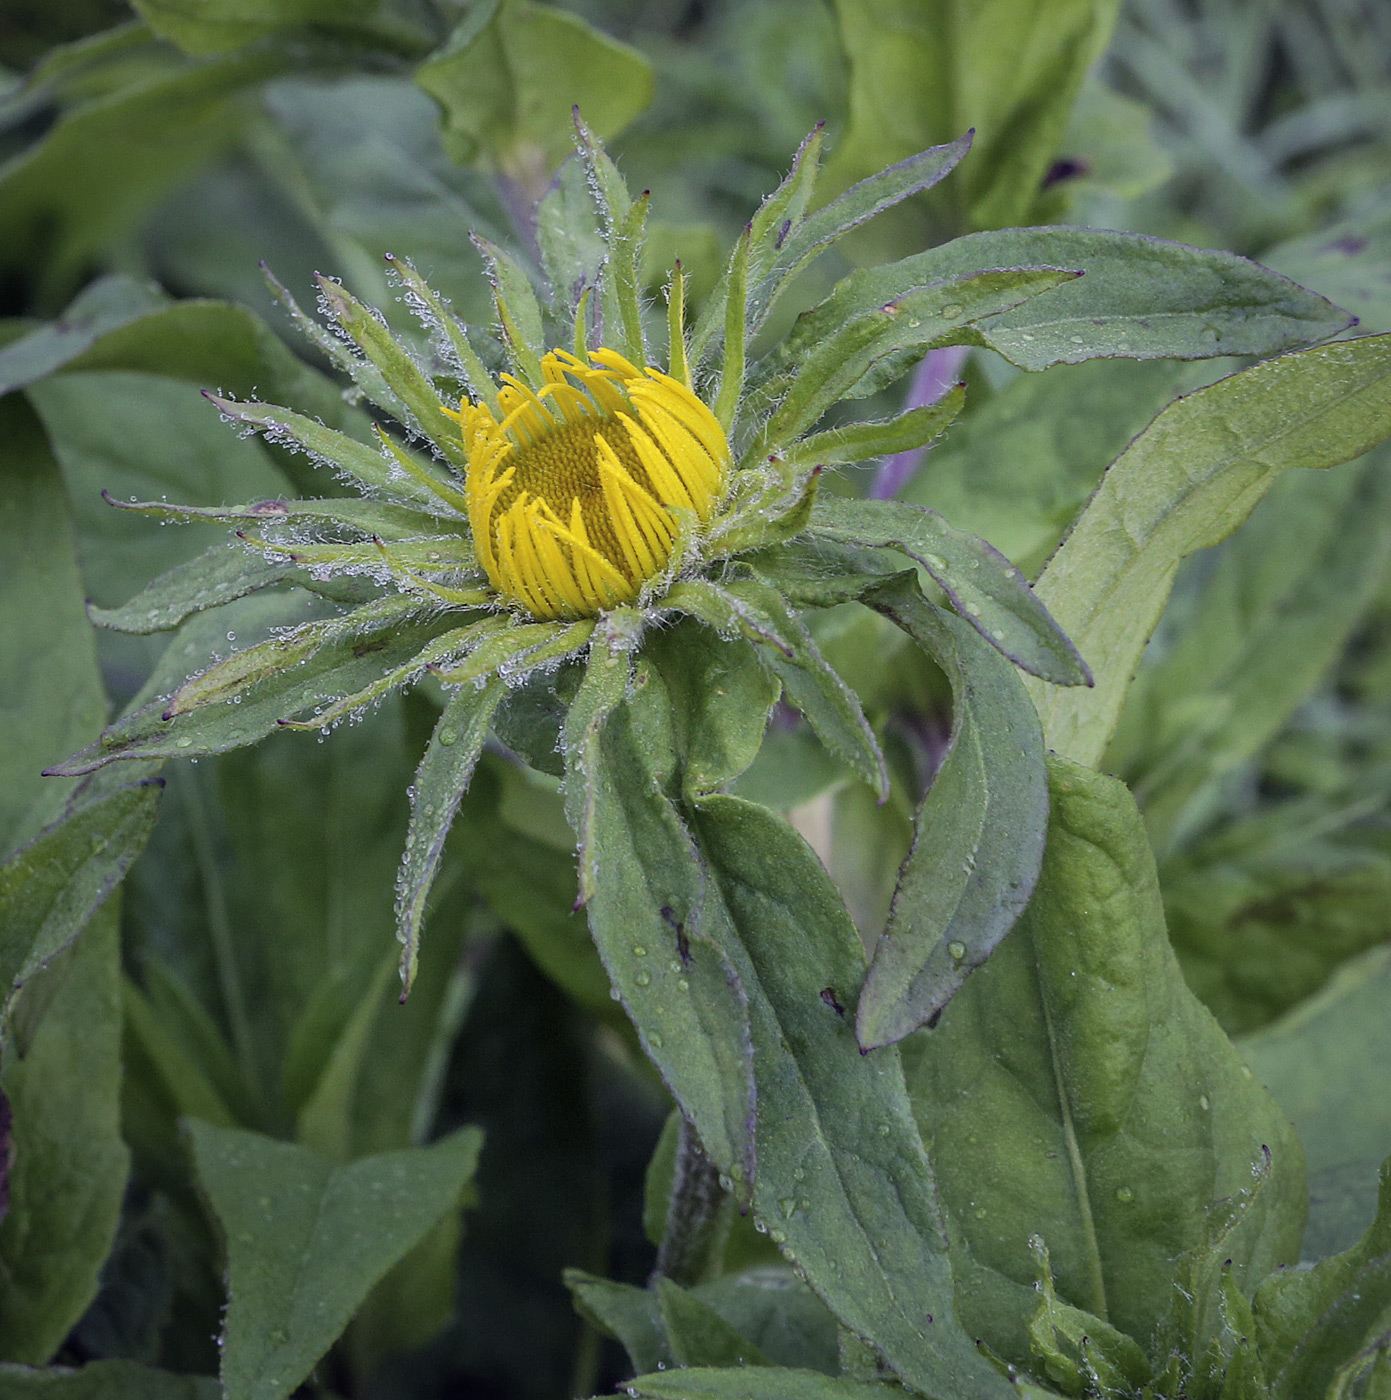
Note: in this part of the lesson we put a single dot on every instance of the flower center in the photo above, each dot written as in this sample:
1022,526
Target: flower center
574,493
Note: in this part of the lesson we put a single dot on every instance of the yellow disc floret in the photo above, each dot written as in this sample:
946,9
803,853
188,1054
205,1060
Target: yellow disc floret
572,494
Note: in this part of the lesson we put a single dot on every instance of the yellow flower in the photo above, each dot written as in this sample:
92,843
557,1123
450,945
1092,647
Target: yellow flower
575,488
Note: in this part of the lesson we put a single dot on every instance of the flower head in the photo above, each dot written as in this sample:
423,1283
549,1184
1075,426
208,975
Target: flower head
575,495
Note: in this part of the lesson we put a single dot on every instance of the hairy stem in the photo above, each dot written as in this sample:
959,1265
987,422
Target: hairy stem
698,1215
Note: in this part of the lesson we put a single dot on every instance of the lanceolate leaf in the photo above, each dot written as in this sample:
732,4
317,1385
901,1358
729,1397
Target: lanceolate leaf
726,1383
644,894
440,782
1187,482
984,587
978,836
841,1179
52,886
1076,1090
858,442
105,1380
67,1165
261,695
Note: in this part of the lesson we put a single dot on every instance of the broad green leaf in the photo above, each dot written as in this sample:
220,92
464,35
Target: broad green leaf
1263,910
984,587
978,836
51,694
1076,1090
1019,466
787,649
67,1164
50,888
518,310
1136,297
306,1240
643,888
1265,629
632,1315
259,694
100,308
440,783
758,1383
104,1380
1011,70
841,1180
143,437
510,76
772,1307
1325,1063
720,699
1309,1322
1187,482
699,1336
100,168
233,23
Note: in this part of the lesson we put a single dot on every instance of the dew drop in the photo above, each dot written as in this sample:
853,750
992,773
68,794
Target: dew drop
980,1212
799,1174
643,979
951,310
884,1130
1076,339
1203,1102
183,743
1124,1195
613,993
957,950
639,951
789,1207
449,737
655,1041
684,985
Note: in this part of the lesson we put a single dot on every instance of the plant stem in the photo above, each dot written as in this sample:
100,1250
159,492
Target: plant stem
698,1215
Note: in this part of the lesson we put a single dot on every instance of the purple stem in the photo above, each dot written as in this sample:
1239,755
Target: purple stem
937,371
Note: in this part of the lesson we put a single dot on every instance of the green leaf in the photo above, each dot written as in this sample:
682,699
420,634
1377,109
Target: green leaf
787,649
1325,1065
644,889
978,836
984,587
772,1307
759,1383
1136,297
106,162
50,888
540,910
841,1180
51,692
854,347
859,442
1309,1322
720,699
1020,464
871,196
699,1336
259,694
107,303
233,23
1187,482
571,241
1076,1090
410,387
511,74
630,1314
105,1380
221,574
306,1240
67,1163
440,783
919,71
1266,628
518,310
